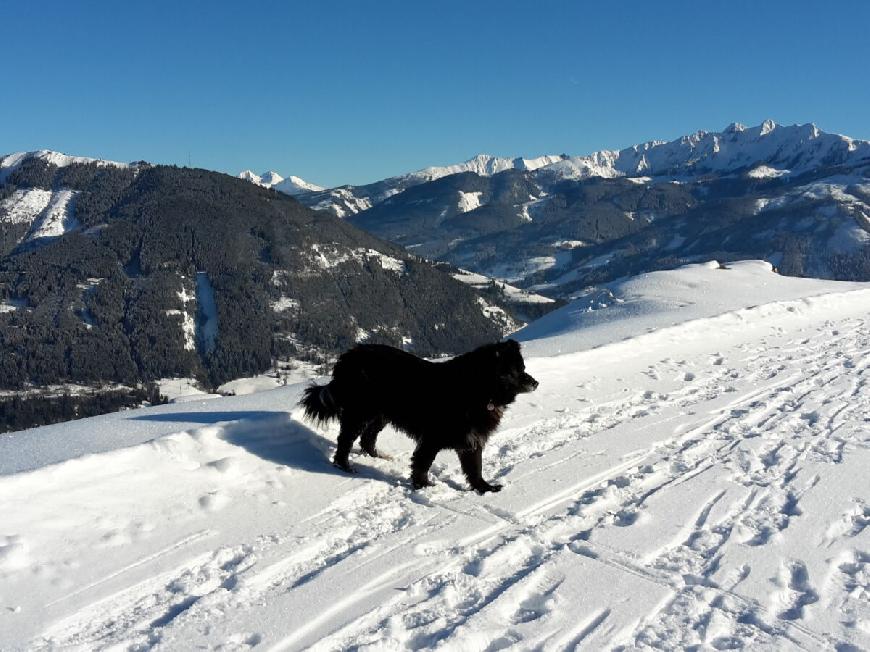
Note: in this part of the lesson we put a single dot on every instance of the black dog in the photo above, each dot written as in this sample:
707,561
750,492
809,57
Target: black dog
455,404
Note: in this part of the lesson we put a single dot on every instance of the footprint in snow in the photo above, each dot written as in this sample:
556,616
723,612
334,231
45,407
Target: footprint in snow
213,501
13,553
223,465
798,591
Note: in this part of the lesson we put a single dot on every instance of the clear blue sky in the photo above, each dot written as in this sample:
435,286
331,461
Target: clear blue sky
350,92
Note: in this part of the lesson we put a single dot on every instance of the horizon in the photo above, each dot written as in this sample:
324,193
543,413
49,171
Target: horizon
344,94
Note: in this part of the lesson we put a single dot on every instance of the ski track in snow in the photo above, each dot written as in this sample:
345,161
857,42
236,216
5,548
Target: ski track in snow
695,502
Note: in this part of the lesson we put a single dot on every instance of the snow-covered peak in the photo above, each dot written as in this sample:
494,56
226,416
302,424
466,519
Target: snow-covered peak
294,185
485,165
270,178
290,185
767,126
266,179
249,175
796,148
10,162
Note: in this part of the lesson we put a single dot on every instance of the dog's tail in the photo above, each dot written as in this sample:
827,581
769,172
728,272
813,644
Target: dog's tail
319,403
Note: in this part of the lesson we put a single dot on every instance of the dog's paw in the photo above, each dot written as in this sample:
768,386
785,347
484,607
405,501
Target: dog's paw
421,483
345,466
376,453
486,486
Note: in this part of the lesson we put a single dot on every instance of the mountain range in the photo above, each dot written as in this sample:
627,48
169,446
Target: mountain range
794,195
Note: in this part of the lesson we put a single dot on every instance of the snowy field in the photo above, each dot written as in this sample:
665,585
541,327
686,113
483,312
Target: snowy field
692,473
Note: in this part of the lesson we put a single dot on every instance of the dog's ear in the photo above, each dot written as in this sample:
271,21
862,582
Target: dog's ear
508,346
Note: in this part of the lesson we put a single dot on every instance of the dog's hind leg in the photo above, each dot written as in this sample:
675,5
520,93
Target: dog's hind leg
368,439
421,460
471,460
351,427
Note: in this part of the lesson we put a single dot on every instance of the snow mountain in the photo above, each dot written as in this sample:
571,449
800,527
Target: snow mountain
768,149
289,186
793,195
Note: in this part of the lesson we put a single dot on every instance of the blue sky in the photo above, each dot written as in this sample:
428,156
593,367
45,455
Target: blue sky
351,92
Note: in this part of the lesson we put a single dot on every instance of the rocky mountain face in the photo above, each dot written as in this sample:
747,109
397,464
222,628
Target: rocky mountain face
114,273
794,195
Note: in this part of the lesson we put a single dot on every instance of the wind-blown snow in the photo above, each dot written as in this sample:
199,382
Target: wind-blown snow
701,484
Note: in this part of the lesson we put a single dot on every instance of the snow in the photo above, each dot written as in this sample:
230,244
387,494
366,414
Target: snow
48,213
388,263
296,372
187,312
11,305
690,474
182,390
57,218
481,282
520,270
767,172
769,150
468,201
285,303
10,162
24,205
291,185
483,165
774,150
342,202
330,256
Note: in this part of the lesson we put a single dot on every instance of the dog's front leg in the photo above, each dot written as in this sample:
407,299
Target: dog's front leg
369,438
421,460
471,460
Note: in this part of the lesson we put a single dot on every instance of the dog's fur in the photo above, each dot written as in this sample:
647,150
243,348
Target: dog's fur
455,404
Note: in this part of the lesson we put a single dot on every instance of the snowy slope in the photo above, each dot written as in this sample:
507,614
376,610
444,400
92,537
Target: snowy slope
47,212
700,484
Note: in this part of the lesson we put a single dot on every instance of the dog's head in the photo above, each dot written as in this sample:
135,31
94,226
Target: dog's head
511,372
